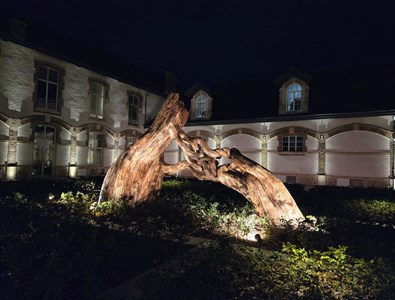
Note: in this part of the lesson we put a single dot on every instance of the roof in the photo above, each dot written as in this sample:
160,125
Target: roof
66,48
353,90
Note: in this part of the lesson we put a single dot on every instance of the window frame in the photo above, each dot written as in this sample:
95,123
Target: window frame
133,108
302,106
285,147
94,146
357,183
47,147
96,114
201,106
59,85
294,103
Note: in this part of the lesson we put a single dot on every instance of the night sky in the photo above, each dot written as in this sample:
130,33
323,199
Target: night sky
218,41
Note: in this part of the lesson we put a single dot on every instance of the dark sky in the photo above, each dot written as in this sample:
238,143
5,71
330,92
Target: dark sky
217,41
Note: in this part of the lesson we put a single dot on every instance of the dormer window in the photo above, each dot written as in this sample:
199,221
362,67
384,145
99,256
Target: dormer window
294,97
201,106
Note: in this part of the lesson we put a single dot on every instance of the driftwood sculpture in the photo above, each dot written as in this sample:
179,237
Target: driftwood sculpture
138,172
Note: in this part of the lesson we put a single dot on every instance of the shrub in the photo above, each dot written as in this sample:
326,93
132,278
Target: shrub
234,271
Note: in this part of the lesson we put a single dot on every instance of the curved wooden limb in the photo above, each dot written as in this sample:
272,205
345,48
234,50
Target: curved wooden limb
138,172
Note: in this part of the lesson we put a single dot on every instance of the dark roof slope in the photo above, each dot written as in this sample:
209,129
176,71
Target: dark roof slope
347,90
66,48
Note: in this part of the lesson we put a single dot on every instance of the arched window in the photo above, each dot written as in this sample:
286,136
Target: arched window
201,106
294,97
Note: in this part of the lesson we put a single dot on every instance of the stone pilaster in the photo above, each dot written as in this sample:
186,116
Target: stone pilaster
116,146
321,157
73,146
321,177
264,152
218,142
13,140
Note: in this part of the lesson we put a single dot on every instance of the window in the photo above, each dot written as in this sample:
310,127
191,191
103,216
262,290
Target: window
356,183
201,106
44,149
292,143
290,179
95,148
133,109
97,92
47,88
294,97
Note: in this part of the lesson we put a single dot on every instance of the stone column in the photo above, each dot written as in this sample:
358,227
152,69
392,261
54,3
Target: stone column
73,152
116,146
322,159
264,152
218,142
11,164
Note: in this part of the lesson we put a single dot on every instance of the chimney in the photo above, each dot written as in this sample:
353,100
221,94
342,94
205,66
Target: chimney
170,82
18,29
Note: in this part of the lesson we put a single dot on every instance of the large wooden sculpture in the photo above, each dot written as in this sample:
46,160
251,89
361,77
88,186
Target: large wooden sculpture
138,172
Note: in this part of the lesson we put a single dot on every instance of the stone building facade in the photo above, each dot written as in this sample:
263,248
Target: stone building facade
61,117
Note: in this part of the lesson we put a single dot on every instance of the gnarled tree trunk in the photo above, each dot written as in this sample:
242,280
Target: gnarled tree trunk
138,172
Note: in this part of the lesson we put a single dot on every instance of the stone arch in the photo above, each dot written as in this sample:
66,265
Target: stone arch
246,131
250,142
361,127
97,127
294,130
372,151
204,134
131,132
57,123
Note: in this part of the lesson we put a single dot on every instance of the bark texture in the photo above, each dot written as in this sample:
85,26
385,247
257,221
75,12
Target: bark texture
138,172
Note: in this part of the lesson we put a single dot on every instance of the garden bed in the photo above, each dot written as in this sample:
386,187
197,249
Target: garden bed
57,243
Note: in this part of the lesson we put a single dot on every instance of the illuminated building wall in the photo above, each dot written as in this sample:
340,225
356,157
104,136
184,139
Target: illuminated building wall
349,151
36,143
48,143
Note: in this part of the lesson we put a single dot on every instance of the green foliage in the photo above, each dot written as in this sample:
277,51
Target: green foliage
49,225
50,250
372,210
330,274
234,271
78,202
